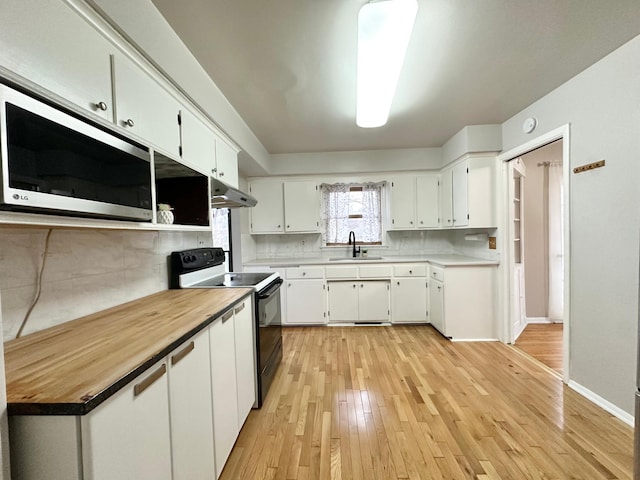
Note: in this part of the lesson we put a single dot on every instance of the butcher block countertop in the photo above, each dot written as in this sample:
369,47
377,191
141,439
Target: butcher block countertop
71,368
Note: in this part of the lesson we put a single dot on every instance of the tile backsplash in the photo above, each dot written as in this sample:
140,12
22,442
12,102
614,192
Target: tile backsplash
85,271
397,243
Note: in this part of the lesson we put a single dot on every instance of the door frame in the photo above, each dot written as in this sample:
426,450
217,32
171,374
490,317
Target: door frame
507,287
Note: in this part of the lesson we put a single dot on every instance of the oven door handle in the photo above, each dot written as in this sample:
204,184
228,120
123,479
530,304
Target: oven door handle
271,290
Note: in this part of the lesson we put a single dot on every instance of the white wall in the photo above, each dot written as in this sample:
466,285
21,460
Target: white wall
602,106
86,271
391,160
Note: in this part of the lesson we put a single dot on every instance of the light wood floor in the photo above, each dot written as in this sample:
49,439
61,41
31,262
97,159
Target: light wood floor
544,343
404,403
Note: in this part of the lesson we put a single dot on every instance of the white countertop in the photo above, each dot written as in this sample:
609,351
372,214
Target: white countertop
445,260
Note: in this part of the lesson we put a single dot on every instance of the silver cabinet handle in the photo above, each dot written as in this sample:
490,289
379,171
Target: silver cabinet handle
239,309
411,222
410,272
439,287
150,380
129,123
183,353
101,106
227,315
303,273
221,174
214,170
354,285
398,283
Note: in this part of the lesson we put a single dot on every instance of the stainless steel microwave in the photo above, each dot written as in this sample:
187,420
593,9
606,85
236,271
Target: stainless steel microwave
53,162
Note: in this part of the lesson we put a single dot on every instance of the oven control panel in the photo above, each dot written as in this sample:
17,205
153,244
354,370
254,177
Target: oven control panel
195,259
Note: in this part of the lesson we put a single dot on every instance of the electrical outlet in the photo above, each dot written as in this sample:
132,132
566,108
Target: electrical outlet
492,243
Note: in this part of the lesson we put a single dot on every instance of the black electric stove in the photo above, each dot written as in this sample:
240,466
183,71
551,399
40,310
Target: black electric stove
204,268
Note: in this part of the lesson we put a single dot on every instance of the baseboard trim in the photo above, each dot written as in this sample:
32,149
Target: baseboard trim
538,320
474,339
601,402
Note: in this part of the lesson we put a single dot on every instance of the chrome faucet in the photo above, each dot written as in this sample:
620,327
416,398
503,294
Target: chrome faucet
352,241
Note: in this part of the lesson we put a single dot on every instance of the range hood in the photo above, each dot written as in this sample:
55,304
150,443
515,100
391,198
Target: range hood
226,196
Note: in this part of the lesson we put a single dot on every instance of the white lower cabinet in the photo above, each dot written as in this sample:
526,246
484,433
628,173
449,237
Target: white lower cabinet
462,301
306,302
359,301
409,295
245,359
126,437
224,392
409,300
190,410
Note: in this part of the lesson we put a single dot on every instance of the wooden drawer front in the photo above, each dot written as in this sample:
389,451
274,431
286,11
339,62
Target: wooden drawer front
375,271
305,272
350,271
410,270
437,273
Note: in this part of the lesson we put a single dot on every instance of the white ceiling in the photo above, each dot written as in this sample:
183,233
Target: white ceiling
288,66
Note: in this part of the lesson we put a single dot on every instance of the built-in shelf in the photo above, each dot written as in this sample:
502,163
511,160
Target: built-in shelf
35,220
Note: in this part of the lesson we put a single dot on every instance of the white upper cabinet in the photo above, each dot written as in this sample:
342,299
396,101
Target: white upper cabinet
47,43
268,215
198,143
226,163
427,201
467,194
403,203
460,194
144,107
301,207
414,202
285,207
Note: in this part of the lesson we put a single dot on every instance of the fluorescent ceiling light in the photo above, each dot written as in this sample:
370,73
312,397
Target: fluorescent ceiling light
384,29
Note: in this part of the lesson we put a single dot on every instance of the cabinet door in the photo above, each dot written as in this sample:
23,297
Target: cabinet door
245,359
191,409
226,163
198,143
427,201
51,45
343,301
409,300
145,108
460,195
446,198
436,305
223,387
403,203
268,215
482,192
301,207
306,302
128,436
373,301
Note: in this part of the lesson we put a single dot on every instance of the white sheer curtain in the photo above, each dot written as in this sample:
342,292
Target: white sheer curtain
370,230
556,243
344,210
335,212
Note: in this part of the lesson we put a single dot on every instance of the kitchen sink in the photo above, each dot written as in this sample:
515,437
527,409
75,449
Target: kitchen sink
353,259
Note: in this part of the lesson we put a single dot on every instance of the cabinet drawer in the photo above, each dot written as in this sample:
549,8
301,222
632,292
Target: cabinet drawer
375,271
305,272
410,270
342,272
437,273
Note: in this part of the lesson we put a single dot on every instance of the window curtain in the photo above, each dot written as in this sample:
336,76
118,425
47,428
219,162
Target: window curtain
371,212
336,200
335,212
556,243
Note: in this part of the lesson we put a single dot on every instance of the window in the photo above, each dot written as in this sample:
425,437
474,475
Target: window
221,222
353,207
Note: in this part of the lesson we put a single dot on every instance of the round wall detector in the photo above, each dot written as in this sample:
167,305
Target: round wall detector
529,125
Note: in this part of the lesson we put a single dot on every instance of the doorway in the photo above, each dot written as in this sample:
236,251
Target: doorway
536,260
